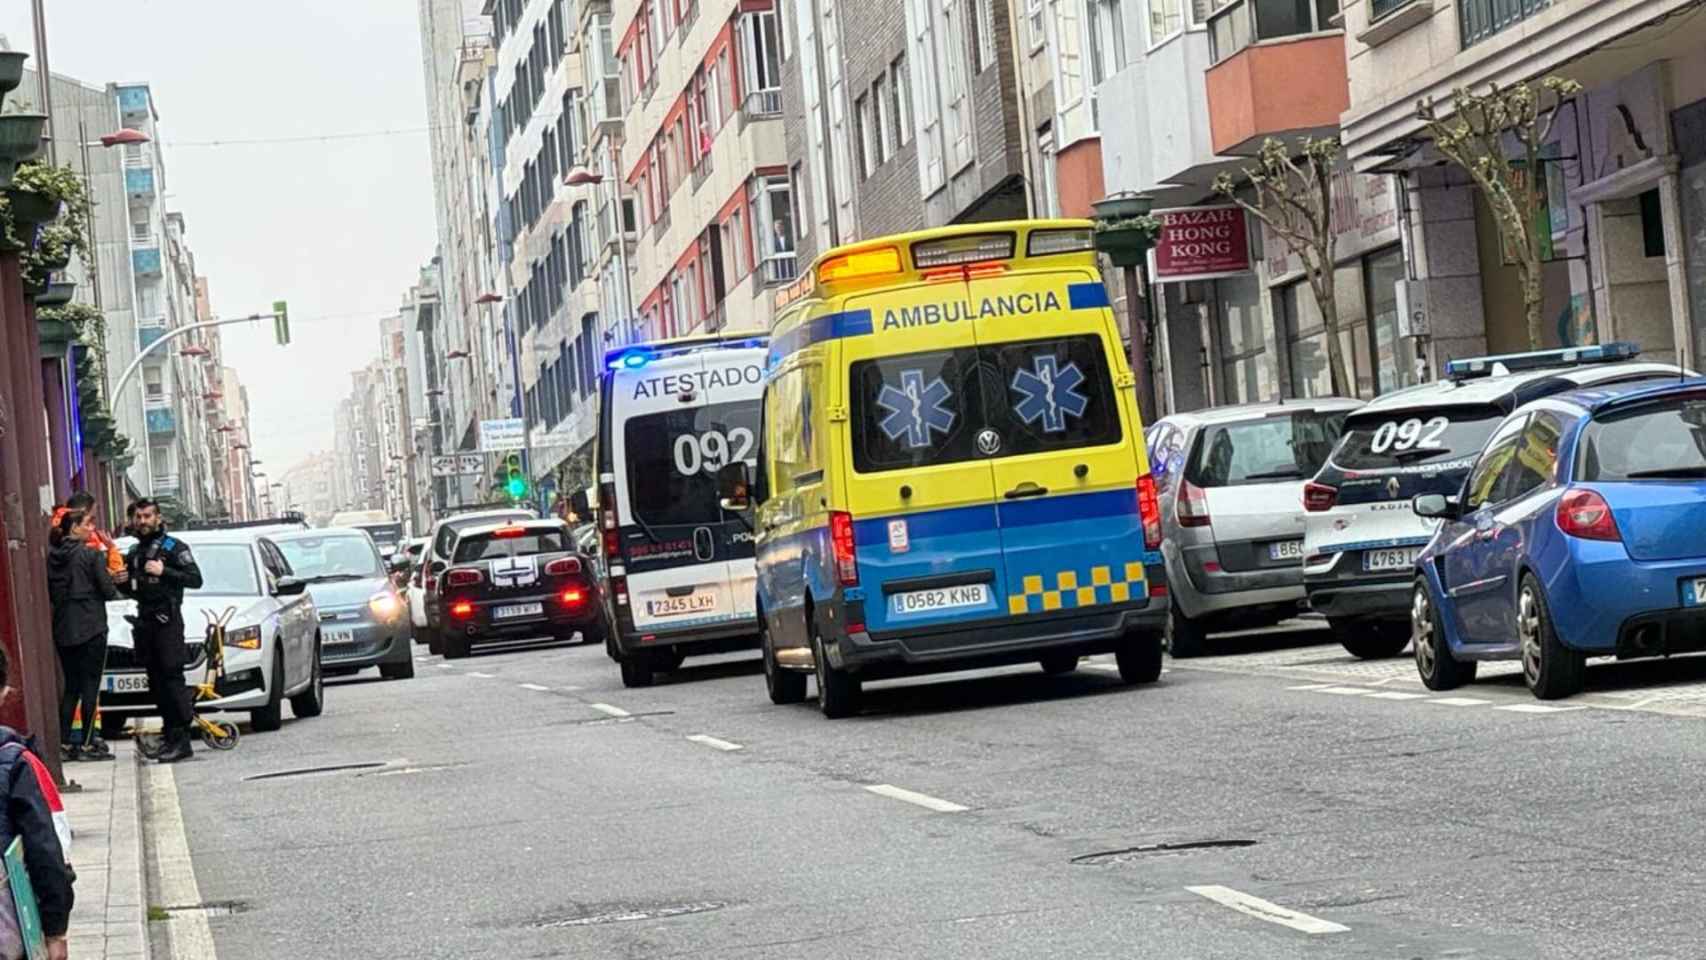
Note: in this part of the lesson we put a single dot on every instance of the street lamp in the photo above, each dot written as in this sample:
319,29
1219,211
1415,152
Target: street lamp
456,355
1125,232
582,177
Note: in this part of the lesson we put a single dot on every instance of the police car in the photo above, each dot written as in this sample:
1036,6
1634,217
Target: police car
1361,537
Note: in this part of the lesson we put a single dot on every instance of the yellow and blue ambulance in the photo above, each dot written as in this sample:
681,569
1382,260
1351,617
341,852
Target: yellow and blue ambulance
951,469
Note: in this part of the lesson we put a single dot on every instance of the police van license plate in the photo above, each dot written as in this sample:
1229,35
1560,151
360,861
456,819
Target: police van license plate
125,683
1694,592
676,606
942,598
1399,559
518,610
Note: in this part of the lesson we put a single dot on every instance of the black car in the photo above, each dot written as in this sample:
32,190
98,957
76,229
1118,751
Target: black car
515,580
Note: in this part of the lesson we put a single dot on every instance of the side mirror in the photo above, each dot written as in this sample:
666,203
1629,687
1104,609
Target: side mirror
579,504
398,565
1435,506
438,567
289,586
734,483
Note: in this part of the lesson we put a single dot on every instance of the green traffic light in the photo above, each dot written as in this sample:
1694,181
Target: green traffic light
516,486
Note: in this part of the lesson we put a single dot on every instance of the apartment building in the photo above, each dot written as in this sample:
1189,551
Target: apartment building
238,484
308,486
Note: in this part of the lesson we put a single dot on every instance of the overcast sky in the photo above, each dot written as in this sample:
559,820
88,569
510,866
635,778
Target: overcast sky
339,229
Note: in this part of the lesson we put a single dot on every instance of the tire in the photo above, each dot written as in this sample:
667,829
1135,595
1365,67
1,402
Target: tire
454,646
1056,664
434,641
402,670
1185,636
637,672
1139,657
1551,670
418,635
271,717
1370,641
311,702
784,686
668,661
225,739
837,691
593,632
113,725
1439,670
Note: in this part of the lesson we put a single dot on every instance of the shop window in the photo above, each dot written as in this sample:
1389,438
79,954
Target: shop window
1244,369
1306,343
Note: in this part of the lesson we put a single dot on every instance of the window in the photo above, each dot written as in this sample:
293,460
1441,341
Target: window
1660,441
925,103
1034,23
1433,436
884,119
1068,55
672,459
736,237
1306,344
1479,19
867,136
1104,27
900,95
983,33
761,63
1243,341
1392,364
589,358
1236,25
1264,451
797,189
957,127
1489,473
1166,17
772,222
840,142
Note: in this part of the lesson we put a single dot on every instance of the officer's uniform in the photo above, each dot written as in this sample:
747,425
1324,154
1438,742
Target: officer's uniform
159,633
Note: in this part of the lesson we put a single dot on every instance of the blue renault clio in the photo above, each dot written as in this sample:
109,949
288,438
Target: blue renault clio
1580,532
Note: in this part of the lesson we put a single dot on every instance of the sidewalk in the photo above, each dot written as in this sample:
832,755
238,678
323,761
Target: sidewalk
109,920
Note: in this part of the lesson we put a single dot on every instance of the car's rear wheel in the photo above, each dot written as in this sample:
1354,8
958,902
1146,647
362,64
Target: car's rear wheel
454,646
1439,670
1139,657
837,691
1056,664
401,670
1551,670
271,717
311,702
434,640
1369,640
637,672
593,632
784,686
1185,636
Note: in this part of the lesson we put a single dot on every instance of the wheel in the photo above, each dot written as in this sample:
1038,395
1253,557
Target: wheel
1185,637
1056,664
593,632
112,725
1438,668
667,661
454,646
784,686
1139,657
837,691
312,701
401,670
1370,641
418,635
434,641
637,672
271,717
219,736
1551,670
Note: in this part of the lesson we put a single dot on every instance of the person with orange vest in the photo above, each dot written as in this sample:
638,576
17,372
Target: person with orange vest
85,501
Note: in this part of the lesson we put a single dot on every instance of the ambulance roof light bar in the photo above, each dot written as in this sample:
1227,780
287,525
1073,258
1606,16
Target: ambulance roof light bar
960,250
1472,368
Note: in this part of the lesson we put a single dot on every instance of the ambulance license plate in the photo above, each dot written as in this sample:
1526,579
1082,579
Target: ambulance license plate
942,598
125,683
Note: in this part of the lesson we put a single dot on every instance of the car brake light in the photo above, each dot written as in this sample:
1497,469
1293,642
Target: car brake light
619,589
563,567
506,533
462,608
1318,497
571,598
463,578
1193,505
841,538
1585,514
1149,509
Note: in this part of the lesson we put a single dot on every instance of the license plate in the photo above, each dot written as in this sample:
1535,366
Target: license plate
1399,559
942,598
518,610
334,636
1694,592
1286,550
125,683
676,606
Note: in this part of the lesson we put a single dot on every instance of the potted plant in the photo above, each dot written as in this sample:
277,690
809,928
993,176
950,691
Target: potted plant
40,193
11,69
58,294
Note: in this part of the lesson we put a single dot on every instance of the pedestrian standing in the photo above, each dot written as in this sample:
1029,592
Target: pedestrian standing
28,814
79,586
160,568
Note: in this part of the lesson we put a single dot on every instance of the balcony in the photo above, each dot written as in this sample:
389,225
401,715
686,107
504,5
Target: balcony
780,268
1479,19
148,334
145,261
165,485
133,101
1282,87
760,105
162,421
700,172
139,182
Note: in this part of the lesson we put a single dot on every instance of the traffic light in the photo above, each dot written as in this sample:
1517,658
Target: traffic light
281,321
515,482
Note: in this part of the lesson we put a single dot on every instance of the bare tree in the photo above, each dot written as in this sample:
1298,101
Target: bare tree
1294,197
1476,136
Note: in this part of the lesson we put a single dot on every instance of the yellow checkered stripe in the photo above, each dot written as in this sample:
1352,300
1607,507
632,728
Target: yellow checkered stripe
1072,590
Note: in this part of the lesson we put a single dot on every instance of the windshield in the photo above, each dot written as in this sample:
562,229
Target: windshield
386,535
1649,443
1274,449
339,555
226,569
1406,438
673,459
487,546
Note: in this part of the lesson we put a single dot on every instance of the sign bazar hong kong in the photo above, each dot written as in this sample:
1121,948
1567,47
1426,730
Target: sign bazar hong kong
1197,243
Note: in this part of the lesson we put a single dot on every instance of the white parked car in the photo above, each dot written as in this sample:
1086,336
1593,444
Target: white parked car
272,642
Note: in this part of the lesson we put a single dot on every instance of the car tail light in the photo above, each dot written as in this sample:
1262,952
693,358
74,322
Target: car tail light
507,533
1149,509
1318,497
1585,514
619,590
462,609
572,598
563,567
1193,505
463,578
1159,590
841,538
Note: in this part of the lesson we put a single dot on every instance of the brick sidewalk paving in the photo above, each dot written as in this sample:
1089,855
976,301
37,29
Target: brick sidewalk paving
109,921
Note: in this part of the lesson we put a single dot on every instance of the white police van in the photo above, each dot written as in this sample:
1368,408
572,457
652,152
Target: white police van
1361,538
677,568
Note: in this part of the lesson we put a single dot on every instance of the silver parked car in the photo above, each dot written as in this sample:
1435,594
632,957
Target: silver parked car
1231,486
364,621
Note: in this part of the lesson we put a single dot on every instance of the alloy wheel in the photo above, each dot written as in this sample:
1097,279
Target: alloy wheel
1528,631
1422,632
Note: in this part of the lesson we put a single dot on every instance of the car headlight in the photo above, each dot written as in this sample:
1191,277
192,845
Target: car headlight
385,605
244,638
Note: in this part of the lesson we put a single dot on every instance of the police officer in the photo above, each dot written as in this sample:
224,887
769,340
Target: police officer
160,568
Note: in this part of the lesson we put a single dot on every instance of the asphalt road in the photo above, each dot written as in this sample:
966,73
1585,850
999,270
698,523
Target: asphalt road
1277,800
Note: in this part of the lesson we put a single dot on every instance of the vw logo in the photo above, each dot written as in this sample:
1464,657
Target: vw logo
1392,488
988,442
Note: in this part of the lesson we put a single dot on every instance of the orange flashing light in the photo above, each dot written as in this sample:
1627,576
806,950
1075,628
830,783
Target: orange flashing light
880,261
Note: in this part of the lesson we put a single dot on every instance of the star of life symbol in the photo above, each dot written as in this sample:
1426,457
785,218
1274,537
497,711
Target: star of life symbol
916,409
514,571
1050,394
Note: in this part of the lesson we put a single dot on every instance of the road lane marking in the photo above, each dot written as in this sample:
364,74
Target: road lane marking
714,743
1346,691
612,711
1313,686
1397,695
536,686
917,799
446,666
422,659
1537,708
1264,910
190,935
1459,701
482,676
